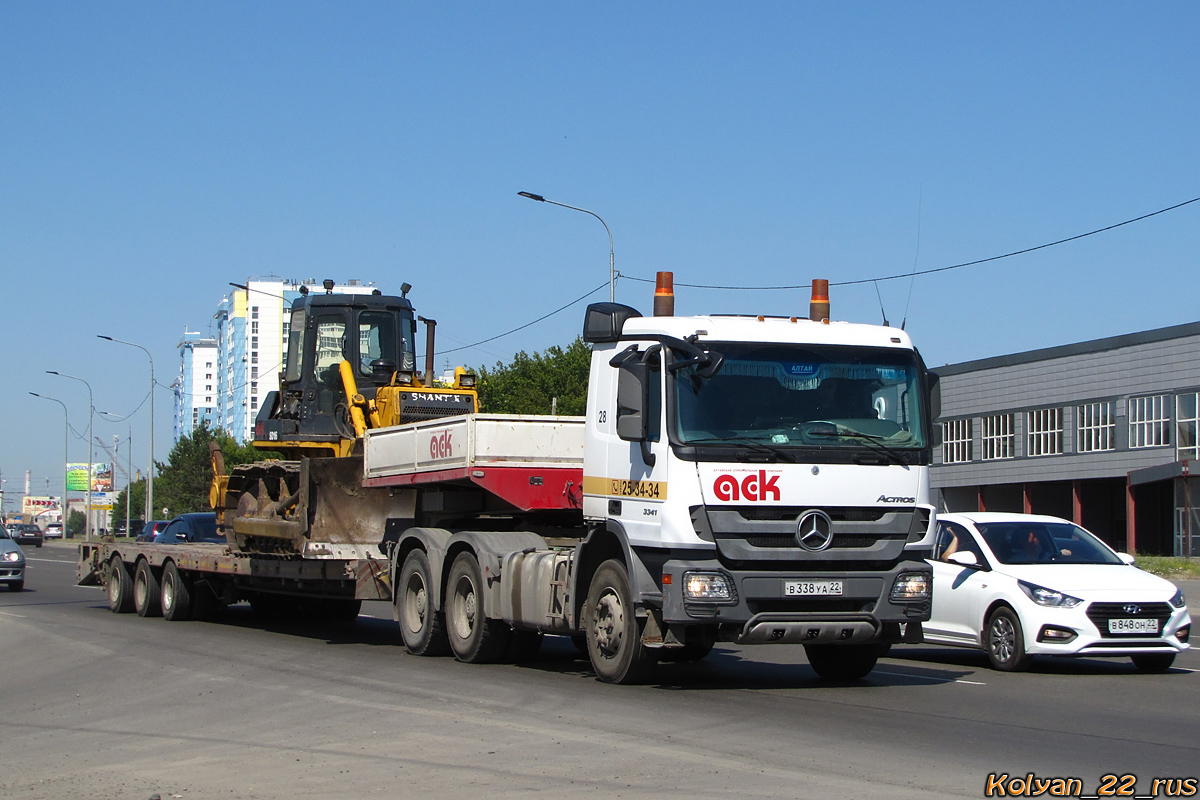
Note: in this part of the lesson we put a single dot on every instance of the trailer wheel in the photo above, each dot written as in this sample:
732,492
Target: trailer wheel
421,626
119,587
176,595
614,635
474,638
842,662
147,594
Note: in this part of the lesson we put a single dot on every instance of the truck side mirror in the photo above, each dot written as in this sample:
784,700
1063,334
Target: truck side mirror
633,378
935,396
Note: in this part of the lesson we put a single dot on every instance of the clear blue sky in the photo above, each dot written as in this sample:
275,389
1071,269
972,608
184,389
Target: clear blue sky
150,153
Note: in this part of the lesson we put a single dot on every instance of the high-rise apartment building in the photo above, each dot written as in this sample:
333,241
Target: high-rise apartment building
196,387
250,343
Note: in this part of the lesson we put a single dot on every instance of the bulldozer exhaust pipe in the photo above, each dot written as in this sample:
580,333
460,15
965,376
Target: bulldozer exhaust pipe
430,324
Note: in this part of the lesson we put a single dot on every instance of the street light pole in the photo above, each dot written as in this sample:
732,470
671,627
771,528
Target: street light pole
149,467
66,457
612,269
87,523
128,461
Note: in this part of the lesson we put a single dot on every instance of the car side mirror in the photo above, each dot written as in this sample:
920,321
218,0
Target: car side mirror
1128,559
964,558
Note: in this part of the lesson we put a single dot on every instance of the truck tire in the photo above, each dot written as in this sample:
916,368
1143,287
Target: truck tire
422,627
614,635
147,594
842,662
176,594
474,638
119,587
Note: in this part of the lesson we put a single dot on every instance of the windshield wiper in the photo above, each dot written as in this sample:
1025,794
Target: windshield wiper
873,442
762,447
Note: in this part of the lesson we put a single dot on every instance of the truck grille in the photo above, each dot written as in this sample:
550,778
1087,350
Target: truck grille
792,513
1101,613
843,541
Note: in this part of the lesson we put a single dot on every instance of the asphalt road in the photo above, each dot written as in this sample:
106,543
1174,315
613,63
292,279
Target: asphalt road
98,705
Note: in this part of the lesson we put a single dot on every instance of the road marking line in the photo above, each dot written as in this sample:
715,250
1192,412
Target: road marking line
973,683
50,560
10,614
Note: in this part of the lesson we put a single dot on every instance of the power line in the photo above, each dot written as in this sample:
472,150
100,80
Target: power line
935,269
527,324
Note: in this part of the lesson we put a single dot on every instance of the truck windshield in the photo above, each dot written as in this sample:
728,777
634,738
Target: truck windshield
803,396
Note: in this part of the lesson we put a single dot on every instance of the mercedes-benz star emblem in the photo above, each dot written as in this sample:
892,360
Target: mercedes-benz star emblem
815,530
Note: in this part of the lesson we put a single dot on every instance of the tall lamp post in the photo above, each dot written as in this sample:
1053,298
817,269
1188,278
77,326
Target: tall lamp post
66,457
149,467
128,461
612,269
87,523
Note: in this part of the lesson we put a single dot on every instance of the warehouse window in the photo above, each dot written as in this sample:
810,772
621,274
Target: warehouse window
1044,432
1187,442
1149,422
1095,428
956,441
998,438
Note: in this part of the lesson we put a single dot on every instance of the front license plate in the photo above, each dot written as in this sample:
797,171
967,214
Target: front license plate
798,588
1133,626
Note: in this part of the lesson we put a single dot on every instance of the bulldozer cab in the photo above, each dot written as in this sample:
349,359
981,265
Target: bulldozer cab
374,333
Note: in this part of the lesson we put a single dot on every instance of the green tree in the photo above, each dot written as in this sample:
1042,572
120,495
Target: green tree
135,495
529,383
76,521
182,484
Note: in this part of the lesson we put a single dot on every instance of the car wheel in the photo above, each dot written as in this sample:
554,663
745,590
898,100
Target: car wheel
119,587
16,586
422,628
147,594
1153,662
474,638
842,662
614,636
176,595
1005,641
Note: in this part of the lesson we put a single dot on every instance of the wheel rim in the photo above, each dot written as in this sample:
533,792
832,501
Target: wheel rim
139,590
113,587
168,593
1004,639
608,623
414,604
464,608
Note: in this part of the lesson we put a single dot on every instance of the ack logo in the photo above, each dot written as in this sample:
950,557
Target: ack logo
755,486
439,445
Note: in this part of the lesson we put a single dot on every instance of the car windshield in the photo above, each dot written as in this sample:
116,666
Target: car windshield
1044,543
804,396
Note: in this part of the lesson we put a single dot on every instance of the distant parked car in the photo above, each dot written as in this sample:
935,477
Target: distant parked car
199,527
12,563
135,527
1020,585
26,533
152,529
54,530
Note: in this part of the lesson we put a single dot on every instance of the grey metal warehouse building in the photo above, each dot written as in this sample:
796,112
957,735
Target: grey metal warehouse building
1102,432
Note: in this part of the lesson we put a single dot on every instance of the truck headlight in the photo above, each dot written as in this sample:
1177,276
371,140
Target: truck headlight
1048,597
911,586
707,586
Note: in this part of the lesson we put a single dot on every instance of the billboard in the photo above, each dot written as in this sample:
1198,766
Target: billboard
77,480
33,507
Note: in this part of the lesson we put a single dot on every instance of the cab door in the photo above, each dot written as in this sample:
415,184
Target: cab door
957,589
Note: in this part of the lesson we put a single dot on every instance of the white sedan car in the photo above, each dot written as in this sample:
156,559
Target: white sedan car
1020,585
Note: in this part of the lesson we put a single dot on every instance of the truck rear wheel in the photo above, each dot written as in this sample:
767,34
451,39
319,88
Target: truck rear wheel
474,638
421,626
119,587
843,662
176,595
147,594
614,636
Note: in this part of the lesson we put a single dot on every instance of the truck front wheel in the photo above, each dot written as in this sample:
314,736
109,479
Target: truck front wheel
843,662
119,587
421,626
614,636
474,638
147,594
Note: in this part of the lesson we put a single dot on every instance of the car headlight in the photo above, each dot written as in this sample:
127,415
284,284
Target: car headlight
707,586
12,555
1177,599
1048,597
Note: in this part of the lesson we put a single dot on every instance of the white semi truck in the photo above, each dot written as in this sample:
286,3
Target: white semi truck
756,480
